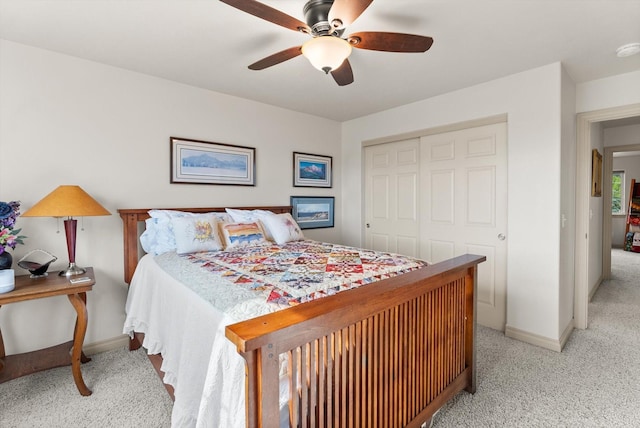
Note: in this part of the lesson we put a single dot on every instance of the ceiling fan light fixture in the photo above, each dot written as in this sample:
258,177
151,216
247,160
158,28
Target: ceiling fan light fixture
326,53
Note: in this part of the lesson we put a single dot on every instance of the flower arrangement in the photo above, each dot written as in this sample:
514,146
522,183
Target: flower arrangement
9,237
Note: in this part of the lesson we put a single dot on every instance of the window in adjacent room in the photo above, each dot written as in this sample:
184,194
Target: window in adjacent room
617,193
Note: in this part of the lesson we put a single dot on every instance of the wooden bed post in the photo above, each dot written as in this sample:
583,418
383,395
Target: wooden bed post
471,290
260,364
251,389
130,226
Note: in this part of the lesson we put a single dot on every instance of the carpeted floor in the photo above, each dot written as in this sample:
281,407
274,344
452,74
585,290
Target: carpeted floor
594,382
126,393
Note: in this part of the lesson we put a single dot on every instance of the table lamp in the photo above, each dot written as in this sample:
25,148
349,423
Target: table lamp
68,201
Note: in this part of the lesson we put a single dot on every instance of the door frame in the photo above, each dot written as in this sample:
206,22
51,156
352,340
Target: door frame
583,194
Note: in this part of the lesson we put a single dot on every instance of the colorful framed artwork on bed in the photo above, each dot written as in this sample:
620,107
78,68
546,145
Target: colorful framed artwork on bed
311,170
204,162
313,212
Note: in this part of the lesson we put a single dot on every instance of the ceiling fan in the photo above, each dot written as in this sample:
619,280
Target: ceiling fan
328,50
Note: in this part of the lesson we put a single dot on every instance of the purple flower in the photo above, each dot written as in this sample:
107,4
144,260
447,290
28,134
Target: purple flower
9,237
6,210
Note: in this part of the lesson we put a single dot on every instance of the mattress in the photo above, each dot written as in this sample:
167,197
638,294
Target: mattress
183,303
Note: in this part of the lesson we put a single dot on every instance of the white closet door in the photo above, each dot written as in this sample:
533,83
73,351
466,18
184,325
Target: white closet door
464,208
391,197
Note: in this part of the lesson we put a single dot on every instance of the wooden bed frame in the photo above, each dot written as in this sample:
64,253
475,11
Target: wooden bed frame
389,354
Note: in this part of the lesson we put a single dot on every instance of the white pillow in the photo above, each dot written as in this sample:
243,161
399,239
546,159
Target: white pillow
243,234
239,216
196,233
283,228
158,237
170,214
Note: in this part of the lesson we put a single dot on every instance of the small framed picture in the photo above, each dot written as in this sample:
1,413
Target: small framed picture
596,173
203,162
311,170
313,212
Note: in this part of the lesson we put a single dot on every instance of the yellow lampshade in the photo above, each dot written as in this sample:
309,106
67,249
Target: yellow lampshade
326,53
66,201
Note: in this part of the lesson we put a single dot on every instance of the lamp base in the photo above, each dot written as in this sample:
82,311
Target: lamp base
72,270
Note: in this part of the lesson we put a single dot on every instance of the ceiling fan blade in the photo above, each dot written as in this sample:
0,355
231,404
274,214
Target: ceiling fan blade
390,42
343,75
269,14
276,58
347,11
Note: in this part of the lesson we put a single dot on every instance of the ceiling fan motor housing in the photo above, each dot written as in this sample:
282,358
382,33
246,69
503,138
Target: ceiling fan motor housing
316,13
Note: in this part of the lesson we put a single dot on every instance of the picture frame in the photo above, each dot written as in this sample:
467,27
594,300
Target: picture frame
313,212
596,173
205,162
312,170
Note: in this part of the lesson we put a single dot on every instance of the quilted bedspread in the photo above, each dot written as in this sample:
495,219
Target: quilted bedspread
301,271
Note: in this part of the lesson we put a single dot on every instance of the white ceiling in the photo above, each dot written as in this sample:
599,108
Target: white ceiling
208,44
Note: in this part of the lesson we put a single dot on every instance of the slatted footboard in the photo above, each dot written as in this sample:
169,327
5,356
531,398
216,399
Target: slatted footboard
385,355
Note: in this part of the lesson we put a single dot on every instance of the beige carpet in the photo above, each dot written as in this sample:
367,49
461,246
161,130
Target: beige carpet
126,393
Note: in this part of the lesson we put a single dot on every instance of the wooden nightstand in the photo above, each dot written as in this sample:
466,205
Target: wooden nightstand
68,353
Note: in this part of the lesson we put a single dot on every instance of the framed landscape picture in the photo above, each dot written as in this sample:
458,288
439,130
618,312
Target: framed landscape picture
203,162
311,170
313,212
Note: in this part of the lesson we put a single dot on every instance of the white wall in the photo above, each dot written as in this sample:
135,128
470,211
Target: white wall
622,136
614,91
532,101
567,202
69,121
595,218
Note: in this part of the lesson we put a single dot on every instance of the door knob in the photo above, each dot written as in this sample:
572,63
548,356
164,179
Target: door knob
368,225
501,236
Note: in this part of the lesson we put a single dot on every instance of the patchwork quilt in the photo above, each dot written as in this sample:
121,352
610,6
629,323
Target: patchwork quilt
302,271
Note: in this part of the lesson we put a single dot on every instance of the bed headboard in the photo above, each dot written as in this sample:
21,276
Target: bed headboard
132,218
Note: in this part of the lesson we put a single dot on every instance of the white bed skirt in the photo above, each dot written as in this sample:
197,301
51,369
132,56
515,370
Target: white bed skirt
204,368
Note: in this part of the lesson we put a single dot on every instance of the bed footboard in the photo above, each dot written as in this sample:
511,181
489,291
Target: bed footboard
386,355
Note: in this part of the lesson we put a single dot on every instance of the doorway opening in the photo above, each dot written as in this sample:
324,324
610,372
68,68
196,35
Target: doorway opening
585,125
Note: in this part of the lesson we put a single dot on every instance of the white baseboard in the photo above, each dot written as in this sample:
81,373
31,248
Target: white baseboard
533,339
566,334
106,345
595,288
